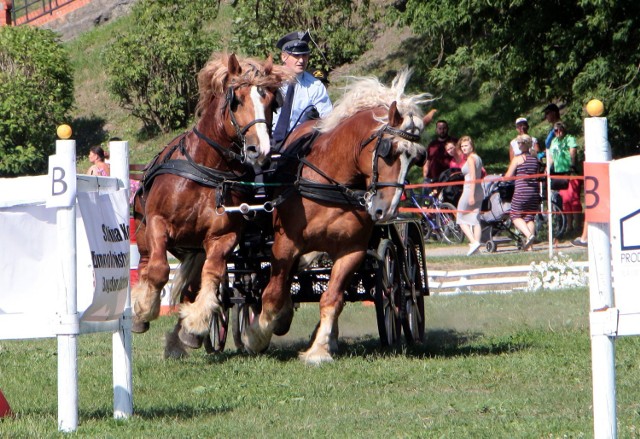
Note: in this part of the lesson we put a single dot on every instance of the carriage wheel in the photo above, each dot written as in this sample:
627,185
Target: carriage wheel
215,341
451,231
491,246
413,321
242,315
389,295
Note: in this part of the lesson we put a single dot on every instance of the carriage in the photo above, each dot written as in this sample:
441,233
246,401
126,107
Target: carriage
335,191
393,276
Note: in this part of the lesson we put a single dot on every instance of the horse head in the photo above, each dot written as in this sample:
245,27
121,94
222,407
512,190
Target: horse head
395,149
237,100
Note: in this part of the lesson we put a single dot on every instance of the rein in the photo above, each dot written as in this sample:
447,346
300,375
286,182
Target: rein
336,192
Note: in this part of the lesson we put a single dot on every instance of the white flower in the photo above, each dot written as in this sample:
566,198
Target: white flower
559,272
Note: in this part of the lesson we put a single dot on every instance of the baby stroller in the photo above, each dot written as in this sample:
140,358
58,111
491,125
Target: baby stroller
494,214
451,194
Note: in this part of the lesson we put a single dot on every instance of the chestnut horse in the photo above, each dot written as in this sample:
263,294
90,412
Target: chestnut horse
186,185
352,178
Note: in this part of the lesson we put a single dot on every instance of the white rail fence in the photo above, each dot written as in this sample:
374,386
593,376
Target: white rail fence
441,282
482,280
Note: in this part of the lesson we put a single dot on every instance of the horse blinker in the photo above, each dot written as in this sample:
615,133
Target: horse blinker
384,148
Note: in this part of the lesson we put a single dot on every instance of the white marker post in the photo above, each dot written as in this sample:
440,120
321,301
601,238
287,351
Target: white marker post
62,172
603,315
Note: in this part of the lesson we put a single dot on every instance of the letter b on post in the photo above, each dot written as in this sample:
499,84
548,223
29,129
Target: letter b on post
62,175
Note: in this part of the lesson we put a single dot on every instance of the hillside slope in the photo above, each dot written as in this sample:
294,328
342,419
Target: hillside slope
97,117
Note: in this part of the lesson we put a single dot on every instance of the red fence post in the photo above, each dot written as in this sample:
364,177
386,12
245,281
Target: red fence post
5,14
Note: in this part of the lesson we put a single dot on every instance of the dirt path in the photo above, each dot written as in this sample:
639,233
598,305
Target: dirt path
541,248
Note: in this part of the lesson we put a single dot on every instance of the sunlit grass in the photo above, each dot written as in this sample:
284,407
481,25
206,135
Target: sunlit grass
492,366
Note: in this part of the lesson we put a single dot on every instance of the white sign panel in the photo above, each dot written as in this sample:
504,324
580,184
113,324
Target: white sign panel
30,268
625,233
108,243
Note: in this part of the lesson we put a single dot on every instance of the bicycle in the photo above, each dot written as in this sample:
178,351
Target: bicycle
440,224
558,220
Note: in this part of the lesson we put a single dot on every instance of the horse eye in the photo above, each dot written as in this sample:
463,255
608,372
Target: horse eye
261,92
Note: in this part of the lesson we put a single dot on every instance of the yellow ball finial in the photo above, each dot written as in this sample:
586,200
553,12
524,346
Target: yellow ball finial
595,107
64,131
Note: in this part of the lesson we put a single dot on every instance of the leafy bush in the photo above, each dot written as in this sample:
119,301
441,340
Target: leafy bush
342,29
153,68
36,94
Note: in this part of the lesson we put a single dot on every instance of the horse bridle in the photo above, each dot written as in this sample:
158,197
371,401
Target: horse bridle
382,150
240,131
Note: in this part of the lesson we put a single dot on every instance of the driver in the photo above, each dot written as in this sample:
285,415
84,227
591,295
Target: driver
307,97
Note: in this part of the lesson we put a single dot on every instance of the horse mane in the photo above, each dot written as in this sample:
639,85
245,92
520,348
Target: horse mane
363,93
213,77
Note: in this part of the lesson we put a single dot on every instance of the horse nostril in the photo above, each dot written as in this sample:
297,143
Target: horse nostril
379,213
252,151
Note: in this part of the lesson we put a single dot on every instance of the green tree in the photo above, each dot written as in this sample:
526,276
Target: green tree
342,29
153,68
36,95
529,53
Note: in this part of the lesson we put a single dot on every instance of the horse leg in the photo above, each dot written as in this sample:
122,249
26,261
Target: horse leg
145,297
196,316
140,231
277,306
325,341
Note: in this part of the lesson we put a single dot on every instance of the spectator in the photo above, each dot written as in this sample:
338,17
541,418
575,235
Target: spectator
97,157
563,155
472,194
522,127
307,97
526,196
551,115
581,241
458,159
437,157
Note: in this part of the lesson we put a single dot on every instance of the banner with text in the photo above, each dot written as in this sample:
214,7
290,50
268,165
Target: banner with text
108,250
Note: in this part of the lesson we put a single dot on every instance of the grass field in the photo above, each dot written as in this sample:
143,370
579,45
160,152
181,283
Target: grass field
492,366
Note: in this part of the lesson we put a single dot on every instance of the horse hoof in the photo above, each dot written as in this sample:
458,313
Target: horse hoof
173,347
190,340
315,357
139,326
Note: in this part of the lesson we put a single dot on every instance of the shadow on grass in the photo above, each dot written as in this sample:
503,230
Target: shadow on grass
439,343
178,411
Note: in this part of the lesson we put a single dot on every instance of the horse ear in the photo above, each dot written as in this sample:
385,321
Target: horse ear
268,65
429,117
395,118
233,66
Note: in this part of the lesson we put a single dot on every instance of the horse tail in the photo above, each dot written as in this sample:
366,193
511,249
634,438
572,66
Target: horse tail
187,278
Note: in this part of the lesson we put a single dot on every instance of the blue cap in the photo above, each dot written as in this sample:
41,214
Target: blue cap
295,43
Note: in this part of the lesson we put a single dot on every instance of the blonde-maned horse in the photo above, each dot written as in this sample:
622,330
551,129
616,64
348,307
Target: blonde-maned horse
352,178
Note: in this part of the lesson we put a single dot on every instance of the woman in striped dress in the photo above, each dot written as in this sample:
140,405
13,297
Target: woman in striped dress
526,196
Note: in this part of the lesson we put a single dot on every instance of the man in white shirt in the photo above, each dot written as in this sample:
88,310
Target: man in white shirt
310,99
522,127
